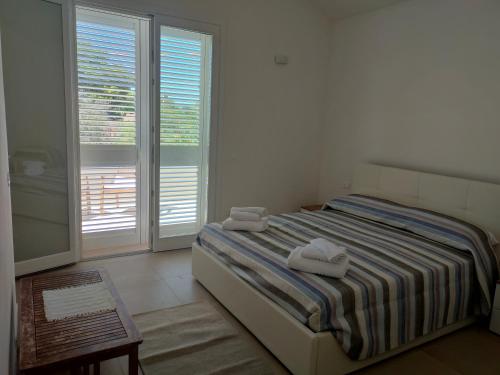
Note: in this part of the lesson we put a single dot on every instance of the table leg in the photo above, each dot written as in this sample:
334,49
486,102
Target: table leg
97,368
133,361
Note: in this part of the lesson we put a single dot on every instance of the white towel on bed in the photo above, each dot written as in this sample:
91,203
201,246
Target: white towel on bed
325,251
245,216
261,211
297,262
249,226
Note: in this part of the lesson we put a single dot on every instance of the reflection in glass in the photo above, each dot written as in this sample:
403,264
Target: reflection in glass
36,126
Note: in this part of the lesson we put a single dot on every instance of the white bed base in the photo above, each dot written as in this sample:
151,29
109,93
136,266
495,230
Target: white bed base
303,351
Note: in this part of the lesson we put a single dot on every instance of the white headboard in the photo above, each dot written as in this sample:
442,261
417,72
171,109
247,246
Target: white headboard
474,201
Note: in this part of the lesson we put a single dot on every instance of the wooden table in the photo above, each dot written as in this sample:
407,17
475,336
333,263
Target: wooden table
73,342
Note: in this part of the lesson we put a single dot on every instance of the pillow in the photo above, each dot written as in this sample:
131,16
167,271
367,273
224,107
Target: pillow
432,225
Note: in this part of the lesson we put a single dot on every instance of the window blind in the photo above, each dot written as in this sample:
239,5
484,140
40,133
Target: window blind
107,64
178,195
180,70
106,57
108,199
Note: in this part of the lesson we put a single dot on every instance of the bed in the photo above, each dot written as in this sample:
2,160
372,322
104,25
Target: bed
405,286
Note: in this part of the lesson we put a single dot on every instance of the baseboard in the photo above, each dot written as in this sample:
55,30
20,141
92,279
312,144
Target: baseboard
44,263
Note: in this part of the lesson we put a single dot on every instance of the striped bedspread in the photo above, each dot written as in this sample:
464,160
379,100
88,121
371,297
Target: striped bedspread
400,285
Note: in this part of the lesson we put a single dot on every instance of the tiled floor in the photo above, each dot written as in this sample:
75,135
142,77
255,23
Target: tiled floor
153,281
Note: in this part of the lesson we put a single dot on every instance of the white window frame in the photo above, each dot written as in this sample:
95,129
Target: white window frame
174,230
140,235
207,138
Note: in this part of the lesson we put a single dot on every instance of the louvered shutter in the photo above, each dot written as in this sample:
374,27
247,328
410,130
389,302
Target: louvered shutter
178,195
106,58
179,90
108,199
182,85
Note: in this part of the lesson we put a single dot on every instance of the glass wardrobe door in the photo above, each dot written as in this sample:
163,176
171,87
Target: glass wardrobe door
32,37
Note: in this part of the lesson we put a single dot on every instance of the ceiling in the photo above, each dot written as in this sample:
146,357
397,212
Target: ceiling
337,9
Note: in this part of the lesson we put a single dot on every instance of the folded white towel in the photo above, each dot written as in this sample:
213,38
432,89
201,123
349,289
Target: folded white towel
249,226
324,250
245,216
298,262
261,211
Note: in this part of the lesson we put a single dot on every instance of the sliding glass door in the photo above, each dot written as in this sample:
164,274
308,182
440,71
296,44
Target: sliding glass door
183,101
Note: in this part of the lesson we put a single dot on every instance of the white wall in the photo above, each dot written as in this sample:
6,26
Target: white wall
272,115
7,289
415,85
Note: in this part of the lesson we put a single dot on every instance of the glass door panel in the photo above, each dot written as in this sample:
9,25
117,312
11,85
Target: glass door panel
183,115
113,81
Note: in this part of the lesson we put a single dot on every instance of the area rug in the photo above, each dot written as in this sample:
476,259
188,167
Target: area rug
194,339
77,301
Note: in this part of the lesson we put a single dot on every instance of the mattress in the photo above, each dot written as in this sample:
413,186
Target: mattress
400,285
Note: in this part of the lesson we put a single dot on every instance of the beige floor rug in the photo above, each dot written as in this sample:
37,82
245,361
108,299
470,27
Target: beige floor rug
194,339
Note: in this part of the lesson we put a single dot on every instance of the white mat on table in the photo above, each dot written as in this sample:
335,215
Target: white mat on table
76,301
